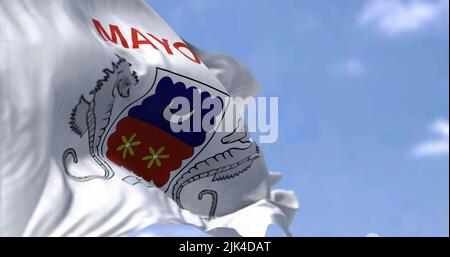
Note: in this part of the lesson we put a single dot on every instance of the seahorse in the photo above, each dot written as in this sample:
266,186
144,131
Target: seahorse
222,166
94,116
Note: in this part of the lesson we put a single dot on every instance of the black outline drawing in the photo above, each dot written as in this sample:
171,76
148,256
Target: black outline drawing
146,94
90,117
88,121
214,167
215,200
134,180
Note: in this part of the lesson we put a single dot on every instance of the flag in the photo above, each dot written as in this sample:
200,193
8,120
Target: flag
110,122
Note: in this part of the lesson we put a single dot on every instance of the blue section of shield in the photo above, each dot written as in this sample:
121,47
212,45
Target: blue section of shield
152,108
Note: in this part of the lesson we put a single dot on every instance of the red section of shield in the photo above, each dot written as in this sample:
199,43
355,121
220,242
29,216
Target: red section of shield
133,153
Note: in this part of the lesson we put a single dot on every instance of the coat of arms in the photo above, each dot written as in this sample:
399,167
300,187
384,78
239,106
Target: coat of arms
136,137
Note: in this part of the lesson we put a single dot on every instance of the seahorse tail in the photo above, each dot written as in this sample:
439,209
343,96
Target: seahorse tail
73,153
184,181
215,198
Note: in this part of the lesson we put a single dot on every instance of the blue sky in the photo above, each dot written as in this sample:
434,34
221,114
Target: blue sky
363,92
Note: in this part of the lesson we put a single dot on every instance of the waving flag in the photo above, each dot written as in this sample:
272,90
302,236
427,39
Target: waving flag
112,123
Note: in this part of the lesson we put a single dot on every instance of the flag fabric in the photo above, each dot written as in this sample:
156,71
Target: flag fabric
88,97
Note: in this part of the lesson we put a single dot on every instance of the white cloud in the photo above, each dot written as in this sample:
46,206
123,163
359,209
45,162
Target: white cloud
353,67
392,17
438,146
372,235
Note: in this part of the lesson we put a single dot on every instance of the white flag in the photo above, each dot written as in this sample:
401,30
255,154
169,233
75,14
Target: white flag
91,96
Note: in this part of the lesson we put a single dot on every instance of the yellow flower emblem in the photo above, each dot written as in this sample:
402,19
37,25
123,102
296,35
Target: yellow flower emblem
155,157
127,146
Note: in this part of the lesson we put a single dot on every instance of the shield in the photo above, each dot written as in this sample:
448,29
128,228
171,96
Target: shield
141,139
